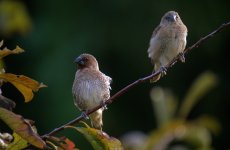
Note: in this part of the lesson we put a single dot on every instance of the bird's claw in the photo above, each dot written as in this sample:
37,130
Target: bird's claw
163,70
84,115
181,57
104,105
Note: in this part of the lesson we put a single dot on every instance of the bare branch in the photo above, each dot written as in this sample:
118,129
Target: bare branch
141,80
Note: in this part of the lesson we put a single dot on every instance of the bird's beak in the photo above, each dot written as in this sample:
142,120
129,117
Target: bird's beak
79,61
174,17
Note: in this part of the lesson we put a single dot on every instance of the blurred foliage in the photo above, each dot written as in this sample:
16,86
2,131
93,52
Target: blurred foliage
176,130
199,88
13,18
117,32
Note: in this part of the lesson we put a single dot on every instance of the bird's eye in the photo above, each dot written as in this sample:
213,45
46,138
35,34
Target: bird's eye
167,18
85,59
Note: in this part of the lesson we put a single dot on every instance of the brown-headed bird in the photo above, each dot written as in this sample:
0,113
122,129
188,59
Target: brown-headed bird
90,88
167,41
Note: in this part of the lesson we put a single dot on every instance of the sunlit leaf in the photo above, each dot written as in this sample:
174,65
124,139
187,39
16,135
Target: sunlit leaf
203,84
18,143
6,51
20,126
99,139
24,84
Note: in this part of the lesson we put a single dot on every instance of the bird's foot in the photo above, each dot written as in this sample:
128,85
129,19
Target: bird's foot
104,105
163,71
181,57
84,115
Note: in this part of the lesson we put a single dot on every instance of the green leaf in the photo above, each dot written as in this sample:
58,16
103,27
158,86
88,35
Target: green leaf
163,136
193,133
164,103
203,84
210,123
99,139
18,143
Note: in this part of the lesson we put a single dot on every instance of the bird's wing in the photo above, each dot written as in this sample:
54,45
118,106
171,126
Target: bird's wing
154,45
156,31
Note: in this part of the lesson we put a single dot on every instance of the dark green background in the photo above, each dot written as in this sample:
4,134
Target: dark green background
117,33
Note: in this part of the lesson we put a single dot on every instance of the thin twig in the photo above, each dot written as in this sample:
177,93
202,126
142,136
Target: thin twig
141,80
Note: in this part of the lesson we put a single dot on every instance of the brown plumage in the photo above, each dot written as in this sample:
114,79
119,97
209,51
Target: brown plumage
167,41
90,87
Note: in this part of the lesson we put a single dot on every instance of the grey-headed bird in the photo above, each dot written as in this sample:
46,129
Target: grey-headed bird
167,41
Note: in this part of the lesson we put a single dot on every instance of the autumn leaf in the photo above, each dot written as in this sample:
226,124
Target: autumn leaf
20,126
69,145
24,84
18,143
5,51
99,139
61,143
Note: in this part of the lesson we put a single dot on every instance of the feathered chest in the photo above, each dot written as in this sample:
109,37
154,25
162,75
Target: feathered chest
90,89
175,32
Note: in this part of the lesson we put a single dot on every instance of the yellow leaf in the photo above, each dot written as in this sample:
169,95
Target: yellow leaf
18,143
6,51
24,84
14,18
20,126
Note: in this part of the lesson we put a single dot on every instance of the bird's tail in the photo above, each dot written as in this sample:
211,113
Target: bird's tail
157,77
96,119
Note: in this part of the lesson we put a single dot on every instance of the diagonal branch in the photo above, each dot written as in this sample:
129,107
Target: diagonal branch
141,80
